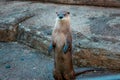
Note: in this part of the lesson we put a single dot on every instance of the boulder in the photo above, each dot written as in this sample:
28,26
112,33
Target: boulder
105,3
96,33
9,20
96,53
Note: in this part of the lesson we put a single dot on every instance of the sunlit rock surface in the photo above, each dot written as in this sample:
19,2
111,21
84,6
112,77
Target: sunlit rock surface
96,34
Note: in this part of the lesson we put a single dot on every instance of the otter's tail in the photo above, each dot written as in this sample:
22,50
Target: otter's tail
85,70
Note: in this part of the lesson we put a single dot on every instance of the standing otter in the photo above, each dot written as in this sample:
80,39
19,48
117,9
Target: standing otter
62,45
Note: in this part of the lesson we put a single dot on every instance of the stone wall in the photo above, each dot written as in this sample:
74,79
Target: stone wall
105,3
108,3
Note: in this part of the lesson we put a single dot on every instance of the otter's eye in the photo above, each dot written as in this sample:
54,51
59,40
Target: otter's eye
68,12
64,14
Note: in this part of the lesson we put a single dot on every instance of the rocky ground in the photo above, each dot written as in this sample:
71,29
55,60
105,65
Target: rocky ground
96,32
20,62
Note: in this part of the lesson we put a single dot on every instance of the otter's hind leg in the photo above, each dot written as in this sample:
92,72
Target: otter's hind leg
57,75
69,76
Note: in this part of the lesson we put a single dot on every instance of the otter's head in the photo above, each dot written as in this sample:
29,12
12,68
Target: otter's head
63,15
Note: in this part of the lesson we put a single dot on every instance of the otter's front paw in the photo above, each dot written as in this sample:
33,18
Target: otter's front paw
50,48
65,49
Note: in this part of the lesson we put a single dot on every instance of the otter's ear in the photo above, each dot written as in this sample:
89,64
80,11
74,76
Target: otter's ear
68,12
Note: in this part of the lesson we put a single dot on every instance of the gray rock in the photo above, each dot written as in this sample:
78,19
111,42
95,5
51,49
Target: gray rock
20,62
96,35
106,3
35,65
9,23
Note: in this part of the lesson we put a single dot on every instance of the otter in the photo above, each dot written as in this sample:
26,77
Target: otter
62,45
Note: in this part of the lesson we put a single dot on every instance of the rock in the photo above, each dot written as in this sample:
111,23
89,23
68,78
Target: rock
7,66
35,39
96,39
9,23
36,66
103,53
8,33
22,59
107,3
97,58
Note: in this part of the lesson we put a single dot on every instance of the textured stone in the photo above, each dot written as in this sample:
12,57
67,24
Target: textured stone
20,62
106,3
8,33
97,52
33,38
97,58
96,34
9,20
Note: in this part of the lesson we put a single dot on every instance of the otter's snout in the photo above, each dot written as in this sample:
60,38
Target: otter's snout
60,16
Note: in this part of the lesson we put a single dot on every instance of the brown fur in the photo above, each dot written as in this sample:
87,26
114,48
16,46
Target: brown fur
63,62
62,35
